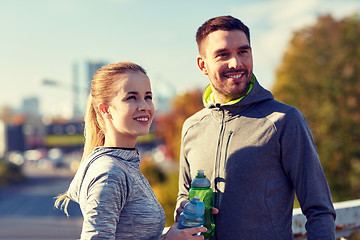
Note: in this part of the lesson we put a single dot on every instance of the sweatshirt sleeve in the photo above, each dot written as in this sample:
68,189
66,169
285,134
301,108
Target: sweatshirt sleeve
105,198
184,176
301,162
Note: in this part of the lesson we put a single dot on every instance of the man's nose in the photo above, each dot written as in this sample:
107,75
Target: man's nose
235,62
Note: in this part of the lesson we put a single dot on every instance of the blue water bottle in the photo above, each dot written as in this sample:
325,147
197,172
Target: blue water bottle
193,214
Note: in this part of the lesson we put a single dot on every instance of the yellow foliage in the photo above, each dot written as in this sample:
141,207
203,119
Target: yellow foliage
320,75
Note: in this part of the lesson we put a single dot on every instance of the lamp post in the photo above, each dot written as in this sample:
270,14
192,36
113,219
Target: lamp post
76,91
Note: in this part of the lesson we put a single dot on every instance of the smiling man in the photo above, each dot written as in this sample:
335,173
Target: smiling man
225,56
257,152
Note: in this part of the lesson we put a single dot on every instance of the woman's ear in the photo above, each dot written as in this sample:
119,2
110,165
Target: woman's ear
104,110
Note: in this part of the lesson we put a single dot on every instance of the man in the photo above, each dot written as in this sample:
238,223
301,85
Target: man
256,151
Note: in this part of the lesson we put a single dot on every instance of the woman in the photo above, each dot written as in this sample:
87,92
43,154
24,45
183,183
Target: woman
116,200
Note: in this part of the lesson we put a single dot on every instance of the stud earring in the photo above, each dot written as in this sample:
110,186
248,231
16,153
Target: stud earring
108,115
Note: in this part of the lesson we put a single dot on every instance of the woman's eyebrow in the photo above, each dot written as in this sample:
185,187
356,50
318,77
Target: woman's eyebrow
135,93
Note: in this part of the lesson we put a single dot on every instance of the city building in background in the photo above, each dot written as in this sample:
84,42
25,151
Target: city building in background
30,106
83,72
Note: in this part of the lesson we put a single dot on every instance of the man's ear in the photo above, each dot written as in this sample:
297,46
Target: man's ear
201,64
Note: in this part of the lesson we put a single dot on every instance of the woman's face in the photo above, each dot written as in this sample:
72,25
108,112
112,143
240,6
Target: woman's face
132,109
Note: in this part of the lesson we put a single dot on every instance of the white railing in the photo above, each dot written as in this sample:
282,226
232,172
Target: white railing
347,220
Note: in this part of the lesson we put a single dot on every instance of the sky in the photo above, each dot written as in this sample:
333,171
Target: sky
43,39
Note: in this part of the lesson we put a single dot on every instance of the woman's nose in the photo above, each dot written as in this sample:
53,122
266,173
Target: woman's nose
143,106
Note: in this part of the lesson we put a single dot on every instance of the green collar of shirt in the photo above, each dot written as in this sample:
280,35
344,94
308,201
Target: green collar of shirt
208,96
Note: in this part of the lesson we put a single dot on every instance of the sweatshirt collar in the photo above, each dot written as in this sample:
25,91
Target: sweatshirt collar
127,154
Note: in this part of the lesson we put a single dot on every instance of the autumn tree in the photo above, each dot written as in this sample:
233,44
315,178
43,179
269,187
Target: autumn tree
169,126
168,129
320,75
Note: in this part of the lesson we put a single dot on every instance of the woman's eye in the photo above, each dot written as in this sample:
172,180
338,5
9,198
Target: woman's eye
131,97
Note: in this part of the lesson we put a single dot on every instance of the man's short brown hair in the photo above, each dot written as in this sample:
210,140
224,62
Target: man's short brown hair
225,23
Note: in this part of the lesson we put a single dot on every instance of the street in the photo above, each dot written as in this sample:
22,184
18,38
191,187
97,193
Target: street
27,208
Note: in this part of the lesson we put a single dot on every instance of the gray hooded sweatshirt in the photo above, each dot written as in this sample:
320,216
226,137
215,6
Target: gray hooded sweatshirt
116,200
257,153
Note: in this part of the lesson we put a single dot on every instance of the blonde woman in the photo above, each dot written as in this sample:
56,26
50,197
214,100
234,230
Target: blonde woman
115,199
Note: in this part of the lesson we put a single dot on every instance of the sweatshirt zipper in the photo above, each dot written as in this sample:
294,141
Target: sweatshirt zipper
227,147
218,161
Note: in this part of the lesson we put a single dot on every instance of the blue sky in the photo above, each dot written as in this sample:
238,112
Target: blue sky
43,38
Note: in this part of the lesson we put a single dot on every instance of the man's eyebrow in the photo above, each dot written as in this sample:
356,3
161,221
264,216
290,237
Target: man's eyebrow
244,47
221,50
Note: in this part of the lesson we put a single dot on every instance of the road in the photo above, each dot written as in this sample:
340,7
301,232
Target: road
27,211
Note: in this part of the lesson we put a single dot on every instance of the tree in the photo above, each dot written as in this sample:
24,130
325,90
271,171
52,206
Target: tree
169,125
320,75
168,129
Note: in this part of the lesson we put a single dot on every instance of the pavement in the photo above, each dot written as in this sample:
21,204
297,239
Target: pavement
39,228
27,208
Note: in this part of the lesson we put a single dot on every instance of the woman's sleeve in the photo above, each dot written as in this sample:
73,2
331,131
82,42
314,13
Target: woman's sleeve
105,198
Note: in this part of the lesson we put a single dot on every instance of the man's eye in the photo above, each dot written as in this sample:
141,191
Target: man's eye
222,55
148,97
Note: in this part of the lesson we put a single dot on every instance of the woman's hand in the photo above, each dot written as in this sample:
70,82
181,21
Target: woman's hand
182,234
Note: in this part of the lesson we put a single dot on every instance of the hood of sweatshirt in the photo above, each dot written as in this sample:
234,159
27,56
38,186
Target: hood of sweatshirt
131,156
256,93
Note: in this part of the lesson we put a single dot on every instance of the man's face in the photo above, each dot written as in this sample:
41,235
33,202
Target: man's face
226,58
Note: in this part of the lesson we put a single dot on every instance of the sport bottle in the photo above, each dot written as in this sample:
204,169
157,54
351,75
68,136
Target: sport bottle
201,187
193,214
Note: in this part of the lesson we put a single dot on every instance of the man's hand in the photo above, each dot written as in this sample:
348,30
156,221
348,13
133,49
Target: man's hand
180,210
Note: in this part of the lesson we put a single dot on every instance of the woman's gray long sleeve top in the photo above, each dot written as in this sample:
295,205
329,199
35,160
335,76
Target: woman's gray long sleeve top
116,200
